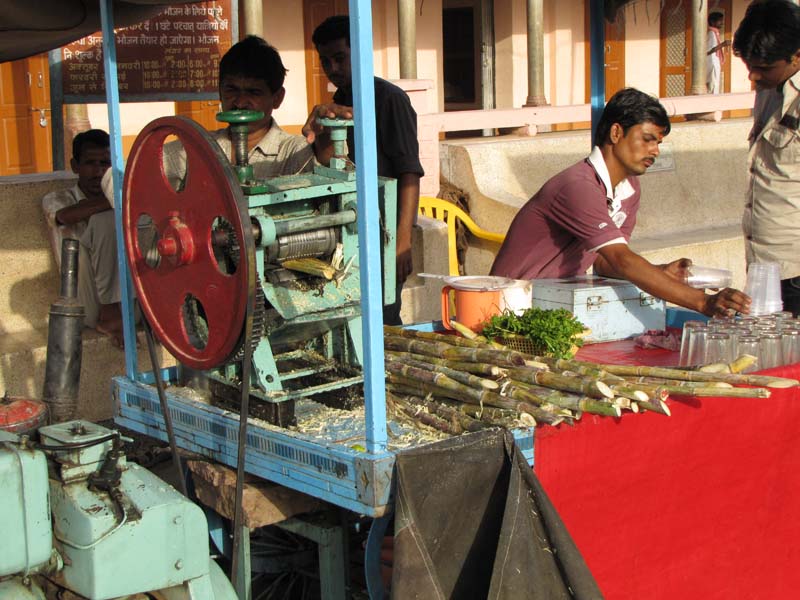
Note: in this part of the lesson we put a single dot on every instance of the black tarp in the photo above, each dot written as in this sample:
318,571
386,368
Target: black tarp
28,27
472,521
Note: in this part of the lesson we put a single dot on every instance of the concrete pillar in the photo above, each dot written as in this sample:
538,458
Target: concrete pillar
253,21
536,53
407,38
76,121
699,30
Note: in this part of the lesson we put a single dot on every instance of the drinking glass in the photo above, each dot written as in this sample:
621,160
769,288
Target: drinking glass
790,345
697,345
718,348
687,327
770,350
748,344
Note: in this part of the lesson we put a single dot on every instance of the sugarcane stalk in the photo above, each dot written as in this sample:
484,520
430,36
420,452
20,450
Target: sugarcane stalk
312,266
561,365
417,413
580,385
631,392
683,375
660,381
463,393
468,367
569,402
466,422
701,392
656,406
502,358
431,336
465,378
486,414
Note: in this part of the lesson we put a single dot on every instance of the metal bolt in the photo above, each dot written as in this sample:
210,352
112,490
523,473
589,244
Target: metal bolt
179,565
177,520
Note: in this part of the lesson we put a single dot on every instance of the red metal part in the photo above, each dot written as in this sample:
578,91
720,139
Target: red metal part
184,221
22,415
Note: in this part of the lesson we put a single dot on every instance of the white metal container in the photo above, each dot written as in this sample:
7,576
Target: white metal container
614,309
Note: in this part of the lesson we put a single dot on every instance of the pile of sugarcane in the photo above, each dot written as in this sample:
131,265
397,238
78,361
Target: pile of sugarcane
456,384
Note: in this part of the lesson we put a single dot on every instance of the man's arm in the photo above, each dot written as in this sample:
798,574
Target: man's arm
407,203
620,262
81,211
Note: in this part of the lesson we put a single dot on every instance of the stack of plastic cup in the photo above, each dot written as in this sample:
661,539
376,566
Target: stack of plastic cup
764,288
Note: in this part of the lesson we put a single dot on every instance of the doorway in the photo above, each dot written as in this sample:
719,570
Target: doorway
314,13
25,119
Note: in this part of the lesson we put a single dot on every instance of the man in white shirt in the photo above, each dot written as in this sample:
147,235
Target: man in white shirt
83,212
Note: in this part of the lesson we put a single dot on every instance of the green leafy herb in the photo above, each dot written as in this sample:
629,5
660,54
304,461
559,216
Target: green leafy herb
555,330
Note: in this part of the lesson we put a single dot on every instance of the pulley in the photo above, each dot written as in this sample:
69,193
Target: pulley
193,292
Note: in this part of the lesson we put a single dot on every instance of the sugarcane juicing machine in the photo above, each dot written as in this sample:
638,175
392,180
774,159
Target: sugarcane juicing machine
226,266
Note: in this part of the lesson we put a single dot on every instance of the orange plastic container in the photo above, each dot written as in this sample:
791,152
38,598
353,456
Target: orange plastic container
476,299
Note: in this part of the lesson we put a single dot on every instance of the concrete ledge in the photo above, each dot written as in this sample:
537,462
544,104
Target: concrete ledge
22,365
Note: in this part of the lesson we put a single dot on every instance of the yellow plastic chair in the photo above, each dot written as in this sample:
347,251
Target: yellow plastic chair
436,208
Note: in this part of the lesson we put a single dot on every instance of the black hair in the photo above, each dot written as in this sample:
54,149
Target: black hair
254,57
90,137
714,17
331,29
770,31
630,107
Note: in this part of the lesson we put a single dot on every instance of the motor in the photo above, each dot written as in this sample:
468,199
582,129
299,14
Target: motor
76,515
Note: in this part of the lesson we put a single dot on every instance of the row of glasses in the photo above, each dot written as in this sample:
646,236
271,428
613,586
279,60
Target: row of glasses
773,339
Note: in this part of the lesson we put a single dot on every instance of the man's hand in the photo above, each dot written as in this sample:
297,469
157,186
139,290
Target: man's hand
312,128
726,303
405,264
678,269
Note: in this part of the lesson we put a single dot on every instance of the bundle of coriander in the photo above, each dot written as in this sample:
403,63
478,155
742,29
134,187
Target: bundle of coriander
552,332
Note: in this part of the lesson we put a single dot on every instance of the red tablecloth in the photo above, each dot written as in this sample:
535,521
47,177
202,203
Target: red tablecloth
700,505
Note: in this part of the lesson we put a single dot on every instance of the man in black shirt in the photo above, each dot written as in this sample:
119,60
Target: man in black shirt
396,129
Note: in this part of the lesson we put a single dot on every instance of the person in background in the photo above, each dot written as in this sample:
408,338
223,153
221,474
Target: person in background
584,216
83,212
715,56
396,136
768,41
251,77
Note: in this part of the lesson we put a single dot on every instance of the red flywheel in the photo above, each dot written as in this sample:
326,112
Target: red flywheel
189,251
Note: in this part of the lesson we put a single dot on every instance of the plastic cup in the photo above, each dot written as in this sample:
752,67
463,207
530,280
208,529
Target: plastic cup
770,350
708,277
764,288
684,355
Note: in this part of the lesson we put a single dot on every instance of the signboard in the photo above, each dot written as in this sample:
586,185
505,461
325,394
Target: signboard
173,56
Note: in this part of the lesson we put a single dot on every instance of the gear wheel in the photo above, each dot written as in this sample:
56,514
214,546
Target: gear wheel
259,324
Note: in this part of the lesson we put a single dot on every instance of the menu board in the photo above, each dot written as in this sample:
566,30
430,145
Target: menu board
174,55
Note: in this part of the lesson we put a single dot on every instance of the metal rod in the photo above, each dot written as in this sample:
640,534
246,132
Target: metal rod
162,399
69,268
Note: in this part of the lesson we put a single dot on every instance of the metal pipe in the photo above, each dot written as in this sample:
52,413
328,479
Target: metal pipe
64,341
253,17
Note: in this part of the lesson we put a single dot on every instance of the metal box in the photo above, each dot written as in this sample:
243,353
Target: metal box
614,309
24,508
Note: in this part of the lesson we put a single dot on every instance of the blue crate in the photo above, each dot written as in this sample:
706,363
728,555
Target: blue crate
316,465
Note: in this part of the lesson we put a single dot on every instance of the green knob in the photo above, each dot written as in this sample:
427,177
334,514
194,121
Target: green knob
334,122
239,116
